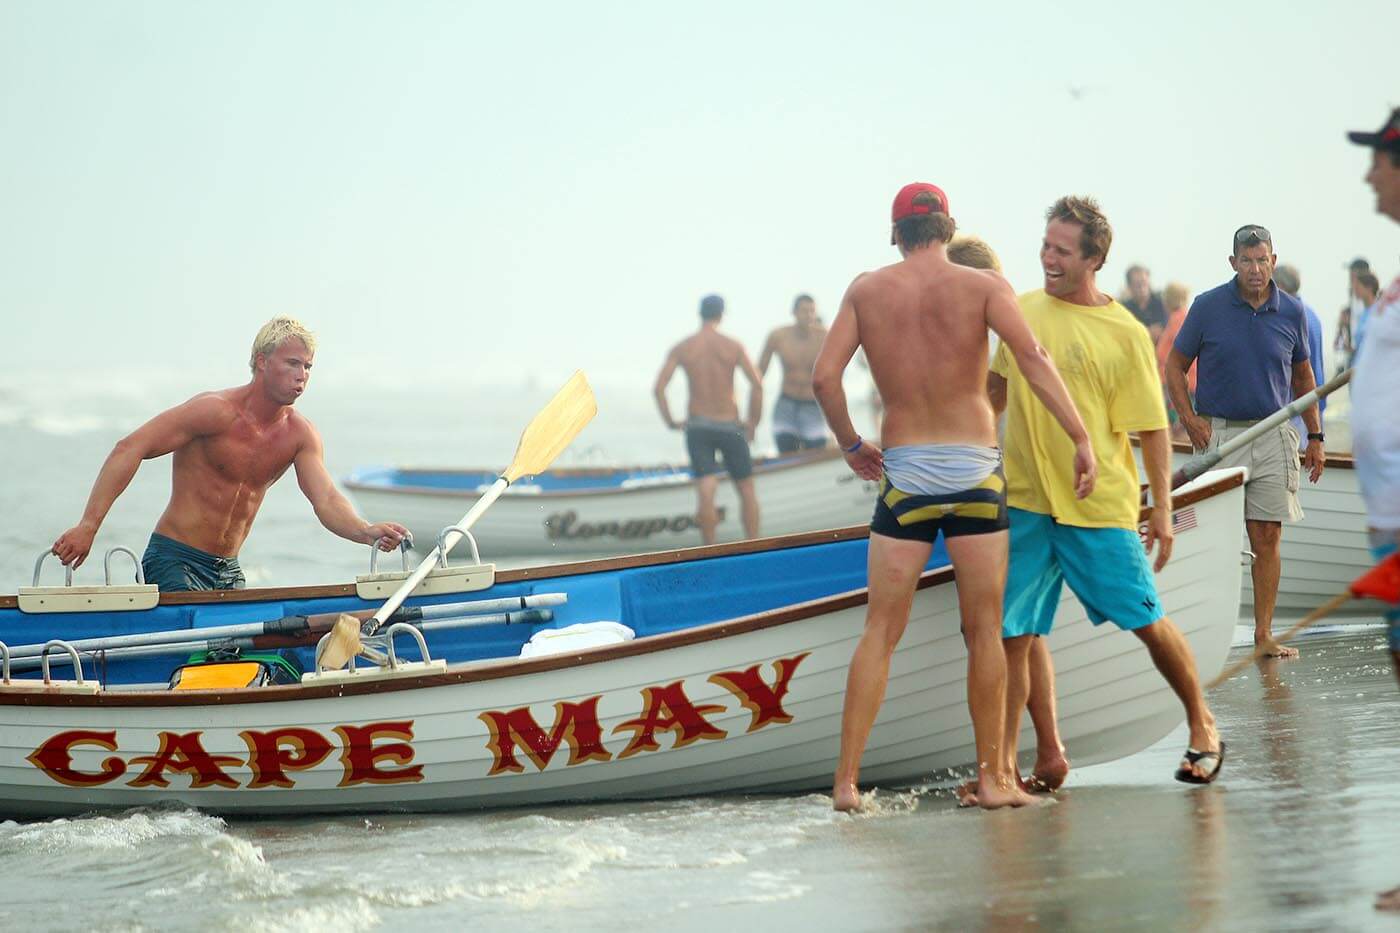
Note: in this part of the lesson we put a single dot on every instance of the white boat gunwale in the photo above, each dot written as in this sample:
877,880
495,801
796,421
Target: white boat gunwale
762,466
478,671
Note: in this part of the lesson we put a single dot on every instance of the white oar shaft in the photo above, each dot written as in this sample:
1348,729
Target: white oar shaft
425,567
1195,467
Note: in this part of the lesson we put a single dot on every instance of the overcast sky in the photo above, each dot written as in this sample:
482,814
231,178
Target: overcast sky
498,192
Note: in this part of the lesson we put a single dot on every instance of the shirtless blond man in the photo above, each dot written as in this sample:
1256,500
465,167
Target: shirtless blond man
712,426
923,325
229,446
797,420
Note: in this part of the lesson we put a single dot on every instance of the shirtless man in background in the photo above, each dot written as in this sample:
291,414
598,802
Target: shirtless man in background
797,420
923,325
230,446
712,426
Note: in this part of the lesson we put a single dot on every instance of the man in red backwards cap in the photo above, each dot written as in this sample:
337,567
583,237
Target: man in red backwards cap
923,324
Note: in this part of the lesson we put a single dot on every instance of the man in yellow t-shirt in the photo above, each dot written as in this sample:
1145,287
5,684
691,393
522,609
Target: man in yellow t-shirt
1107,361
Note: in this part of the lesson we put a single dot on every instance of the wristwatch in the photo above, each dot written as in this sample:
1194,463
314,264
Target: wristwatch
1316,436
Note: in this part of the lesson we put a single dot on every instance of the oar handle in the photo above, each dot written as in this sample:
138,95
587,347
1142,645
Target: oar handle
1198,465
449,541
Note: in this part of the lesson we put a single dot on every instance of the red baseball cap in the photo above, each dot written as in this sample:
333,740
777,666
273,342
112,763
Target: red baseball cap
905,205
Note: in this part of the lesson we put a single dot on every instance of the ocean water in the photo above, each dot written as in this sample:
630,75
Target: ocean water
1299,834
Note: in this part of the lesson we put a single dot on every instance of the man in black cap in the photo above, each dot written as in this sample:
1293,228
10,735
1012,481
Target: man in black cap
712,426
1375,393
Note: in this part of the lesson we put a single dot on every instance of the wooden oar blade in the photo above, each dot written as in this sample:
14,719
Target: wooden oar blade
342,644
554,428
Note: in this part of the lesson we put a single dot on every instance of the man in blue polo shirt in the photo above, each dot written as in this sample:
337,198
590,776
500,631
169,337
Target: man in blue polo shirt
1249,340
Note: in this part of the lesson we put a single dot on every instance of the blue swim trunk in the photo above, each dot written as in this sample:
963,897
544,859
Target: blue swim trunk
173,566
1106,568
1392,613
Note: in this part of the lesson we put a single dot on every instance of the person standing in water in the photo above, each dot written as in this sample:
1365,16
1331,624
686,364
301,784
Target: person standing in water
712,426
797,420
229,447
923,324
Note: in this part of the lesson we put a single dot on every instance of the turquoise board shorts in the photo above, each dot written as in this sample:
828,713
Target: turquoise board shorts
1392,613
173,566
1106,568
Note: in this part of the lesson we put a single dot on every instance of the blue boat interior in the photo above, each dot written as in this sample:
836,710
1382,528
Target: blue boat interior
651,600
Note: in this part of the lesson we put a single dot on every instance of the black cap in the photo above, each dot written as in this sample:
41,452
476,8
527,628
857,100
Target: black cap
1387,137
1359,265
711,306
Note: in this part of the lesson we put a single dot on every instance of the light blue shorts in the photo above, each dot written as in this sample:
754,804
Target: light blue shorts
1392,613
1106,568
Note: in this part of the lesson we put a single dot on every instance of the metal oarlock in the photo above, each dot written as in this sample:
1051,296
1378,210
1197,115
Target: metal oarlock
38,565
442,544
404,545
399,628
5,654
107,565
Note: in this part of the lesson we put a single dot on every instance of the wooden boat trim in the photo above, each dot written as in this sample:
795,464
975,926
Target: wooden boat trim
761,468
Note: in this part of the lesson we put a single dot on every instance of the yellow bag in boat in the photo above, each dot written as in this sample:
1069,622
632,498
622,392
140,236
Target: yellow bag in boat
219,676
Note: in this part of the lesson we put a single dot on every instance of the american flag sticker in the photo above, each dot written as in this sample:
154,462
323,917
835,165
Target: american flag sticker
1183,520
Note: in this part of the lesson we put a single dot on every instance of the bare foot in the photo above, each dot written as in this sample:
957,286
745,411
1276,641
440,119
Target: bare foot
1272,649
1049,774
1388,900
991,795
845,797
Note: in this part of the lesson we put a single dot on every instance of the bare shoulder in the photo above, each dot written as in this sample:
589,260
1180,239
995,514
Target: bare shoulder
210,410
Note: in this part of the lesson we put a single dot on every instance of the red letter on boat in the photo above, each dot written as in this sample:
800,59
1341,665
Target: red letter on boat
574,723
361,756
55,758
668,709
763,702
184,752
272,754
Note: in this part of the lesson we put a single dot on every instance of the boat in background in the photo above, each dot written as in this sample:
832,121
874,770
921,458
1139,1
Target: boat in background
1324,552
733,682
613,510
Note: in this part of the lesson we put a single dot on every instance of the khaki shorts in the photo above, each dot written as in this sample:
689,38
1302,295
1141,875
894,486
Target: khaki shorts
1271,492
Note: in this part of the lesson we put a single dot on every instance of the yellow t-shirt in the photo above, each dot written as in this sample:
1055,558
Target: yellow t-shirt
1108,364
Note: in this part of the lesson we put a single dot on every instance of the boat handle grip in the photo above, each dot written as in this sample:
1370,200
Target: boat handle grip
39,564
399,628
61,646
374,554
107,564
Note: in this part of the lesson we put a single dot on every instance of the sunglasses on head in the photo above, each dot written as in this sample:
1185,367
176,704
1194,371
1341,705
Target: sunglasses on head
1251,235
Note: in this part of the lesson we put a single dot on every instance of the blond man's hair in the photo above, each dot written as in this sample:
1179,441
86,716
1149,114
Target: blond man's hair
1175,295
272,335
973,251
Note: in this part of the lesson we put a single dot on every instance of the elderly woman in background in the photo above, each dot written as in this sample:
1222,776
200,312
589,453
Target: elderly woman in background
1177,298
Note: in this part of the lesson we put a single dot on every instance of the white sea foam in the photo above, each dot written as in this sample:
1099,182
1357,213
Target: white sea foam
120,832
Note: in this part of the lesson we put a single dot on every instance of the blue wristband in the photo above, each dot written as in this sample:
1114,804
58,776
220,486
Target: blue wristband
856,446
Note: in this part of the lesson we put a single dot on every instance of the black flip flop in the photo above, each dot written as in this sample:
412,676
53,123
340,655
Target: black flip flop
1186,776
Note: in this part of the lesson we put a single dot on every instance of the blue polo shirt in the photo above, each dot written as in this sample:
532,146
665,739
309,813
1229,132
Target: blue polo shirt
1245,357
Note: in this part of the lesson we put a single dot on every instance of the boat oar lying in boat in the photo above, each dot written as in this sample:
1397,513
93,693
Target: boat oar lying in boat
99,653
1199,465
296,629
544,439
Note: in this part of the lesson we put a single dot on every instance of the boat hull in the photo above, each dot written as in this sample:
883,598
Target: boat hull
746,704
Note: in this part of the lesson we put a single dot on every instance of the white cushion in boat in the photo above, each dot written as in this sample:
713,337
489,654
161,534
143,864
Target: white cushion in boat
576,637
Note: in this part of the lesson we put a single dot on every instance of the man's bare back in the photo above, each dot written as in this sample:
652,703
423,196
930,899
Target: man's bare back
709,360
923,324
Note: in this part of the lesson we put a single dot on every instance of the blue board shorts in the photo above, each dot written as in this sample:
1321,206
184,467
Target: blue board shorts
1106,568
173,566
1392,613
